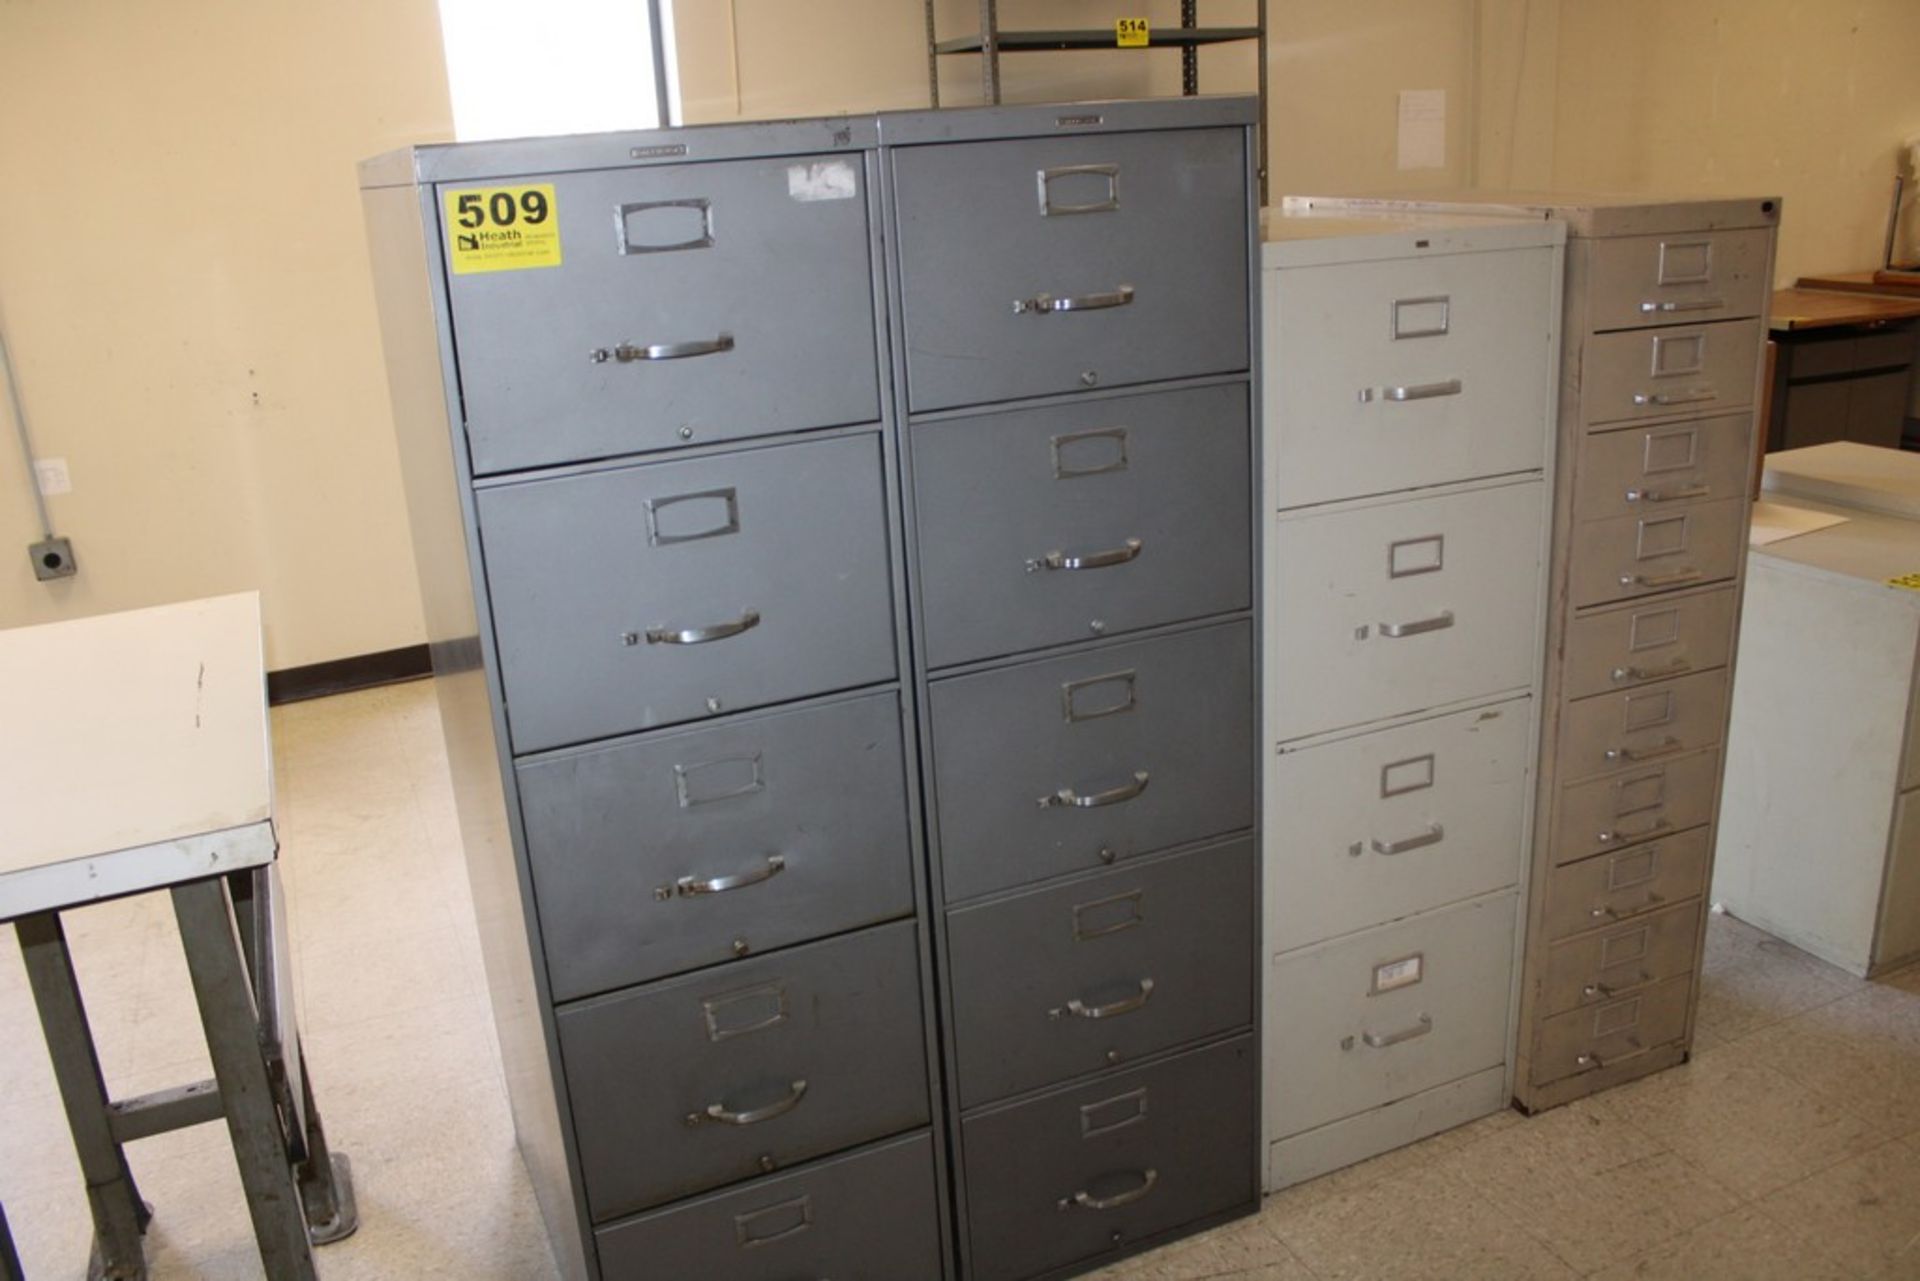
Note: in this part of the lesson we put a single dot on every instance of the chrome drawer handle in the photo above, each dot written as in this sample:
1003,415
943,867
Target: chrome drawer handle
1112,796
689,886
1667,748
1120,555
1674,579
1432,836
752,1116
1125,1005
1698,304
1616,836
627,353
1589,1062
1087,1200
701,635
1605,913
1381,1040
1668,495
1605,991
1422,391
1690,397
1438,623
1675,668
1042,304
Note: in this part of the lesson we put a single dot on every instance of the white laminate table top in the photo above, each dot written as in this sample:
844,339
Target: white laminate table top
1848,474
133,752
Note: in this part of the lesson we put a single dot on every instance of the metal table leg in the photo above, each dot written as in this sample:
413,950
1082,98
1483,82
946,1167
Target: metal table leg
223,988
119,1216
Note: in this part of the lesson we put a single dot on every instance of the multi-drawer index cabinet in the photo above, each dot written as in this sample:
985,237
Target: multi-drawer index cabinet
835,541
1408,374
1665,314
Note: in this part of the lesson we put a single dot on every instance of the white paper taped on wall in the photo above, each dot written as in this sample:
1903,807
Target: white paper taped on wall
822,180
1423,129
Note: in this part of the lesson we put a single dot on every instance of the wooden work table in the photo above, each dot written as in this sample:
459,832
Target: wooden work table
1865,282
1842,366
1803,307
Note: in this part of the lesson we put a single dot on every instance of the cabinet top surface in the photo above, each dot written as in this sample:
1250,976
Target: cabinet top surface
1869,549
130,730
1848,474
1586,213
1294,237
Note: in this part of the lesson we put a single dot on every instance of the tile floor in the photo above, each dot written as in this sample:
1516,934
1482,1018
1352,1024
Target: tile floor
1789,1147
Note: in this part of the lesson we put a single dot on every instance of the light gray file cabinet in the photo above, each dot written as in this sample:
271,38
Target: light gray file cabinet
1408,371
1665,317
835,544
1073,322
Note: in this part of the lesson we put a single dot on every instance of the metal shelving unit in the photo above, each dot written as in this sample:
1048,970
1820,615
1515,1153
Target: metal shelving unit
990,41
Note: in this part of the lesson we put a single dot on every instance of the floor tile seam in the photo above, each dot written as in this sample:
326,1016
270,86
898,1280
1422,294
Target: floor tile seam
1496,1210
1809,1244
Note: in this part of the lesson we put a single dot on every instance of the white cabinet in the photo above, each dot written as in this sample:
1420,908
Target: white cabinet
1408,372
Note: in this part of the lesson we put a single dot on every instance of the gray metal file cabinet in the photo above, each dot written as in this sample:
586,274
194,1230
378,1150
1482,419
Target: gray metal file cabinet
1408,374
1665,311
668,483
1073,319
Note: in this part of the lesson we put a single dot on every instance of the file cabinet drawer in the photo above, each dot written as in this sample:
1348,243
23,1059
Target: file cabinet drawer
1625,884
1386,1014
1612,732
1657,551
1375,827
1044,265
867,1216
1392,375
1393,608
699,1081
1072,1175
1587,1040
1649,469
678,296
1038,527
1667,373
1063,764
1639,804
1649,641
650,595
1064,981
1682,278
693,847
1598,967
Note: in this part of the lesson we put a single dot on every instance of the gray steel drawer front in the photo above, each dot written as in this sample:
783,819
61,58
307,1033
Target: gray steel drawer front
1611,732
1649,641
1060,524
1587,1040
1043,265
1667,373
1598,967
867,1216
698,302
1627,556
662,593
719,1076
1612,812
1677,279
1065,981
1626,884
1648,469
1075,1174
1064,764
661,854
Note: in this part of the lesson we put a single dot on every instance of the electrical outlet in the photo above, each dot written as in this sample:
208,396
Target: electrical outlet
53,558
53,476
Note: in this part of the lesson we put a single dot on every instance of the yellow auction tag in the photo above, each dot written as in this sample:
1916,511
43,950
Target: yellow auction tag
1909,581
1130,33
502,228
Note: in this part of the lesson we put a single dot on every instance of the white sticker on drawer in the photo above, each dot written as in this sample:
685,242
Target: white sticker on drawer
822,180
1404,972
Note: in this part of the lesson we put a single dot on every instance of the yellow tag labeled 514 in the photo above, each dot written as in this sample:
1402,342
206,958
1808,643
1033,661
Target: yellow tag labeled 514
502,228
1130,33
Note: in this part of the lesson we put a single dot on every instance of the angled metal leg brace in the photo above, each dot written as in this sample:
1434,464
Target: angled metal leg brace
119,1216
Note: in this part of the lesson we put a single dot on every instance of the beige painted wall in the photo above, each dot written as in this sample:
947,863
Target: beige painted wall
1808,101
184,279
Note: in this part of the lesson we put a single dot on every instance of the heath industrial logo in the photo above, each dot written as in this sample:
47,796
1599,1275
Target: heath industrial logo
502,228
